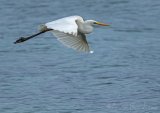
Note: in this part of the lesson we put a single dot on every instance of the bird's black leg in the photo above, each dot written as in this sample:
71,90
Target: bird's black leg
22,39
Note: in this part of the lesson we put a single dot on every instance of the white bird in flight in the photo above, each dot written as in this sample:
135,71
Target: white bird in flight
70,31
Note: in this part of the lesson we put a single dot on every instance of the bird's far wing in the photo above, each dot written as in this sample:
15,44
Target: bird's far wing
78,42
66,25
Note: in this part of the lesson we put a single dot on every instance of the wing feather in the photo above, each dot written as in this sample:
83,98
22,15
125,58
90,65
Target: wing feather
66,25
66,31
78,42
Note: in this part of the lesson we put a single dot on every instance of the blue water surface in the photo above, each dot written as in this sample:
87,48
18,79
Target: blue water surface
43,76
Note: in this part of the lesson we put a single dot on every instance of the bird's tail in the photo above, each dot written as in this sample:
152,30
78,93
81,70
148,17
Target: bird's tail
42,27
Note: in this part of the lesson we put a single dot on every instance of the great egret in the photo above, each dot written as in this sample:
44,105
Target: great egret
71,31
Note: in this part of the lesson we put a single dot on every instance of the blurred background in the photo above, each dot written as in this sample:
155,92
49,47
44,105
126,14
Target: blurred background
43,76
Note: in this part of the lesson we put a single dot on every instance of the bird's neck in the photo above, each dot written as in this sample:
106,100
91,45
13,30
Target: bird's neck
84,27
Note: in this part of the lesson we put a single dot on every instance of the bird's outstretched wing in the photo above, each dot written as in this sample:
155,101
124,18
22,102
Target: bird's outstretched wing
78,42
66,31
66,25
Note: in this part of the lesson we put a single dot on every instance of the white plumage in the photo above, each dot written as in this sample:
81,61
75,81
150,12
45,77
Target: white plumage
66,25
69,31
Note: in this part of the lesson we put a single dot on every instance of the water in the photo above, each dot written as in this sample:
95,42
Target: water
42,76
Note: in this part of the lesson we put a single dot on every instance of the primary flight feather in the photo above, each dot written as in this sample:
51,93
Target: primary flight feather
70,31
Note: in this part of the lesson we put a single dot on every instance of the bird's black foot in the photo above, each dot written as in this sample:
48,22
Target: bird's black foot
21,39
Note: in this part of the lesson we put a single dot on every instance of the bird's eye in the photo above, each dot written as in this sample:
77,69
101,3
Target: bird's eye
94,23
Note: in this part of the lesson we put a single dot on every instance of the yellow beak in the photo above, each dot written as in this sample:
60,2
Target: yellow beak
101,24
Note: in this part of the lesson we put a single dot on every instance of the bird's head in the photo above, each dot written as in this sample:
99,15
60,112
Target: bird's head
93,22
